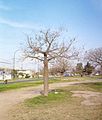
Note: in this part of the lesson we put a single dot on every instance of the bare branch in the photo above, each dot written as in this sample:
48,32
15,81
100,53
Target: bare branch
45,47
95,56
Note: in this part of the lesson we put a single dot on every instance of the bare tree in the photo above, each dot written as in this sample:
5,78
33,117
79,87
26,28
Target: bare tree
95,56
60,65
45,47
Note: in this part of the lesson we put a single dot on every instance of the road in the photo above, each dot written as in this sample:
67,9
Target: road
17,81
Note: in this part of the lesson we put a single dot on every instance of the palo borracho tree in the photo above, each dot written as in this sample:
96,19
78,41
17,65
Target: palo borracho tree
46,46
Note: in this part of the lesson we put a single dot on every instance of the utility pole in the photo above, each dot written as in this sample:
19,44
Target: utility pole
14,62
38,69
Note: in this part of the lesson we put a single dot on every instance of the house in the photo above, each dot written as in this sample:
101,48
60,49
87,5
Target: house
5,74
24,74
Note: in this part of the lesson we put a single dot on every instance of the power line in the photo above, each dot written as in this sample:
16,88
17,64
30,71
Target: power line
5,62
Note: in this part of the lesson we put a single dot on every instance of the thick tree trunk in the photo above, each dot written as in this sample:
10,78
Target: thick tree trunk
101,70
45,75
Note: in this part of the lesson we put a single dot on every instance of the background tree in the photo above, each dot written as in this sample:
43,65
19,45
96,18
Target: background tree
79,69
60,66
14,73
53,70
45,47
95,56
88,69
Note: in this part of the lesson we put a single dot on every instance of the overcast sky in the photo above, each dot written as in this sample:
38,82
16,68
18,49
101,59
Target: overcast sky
82,18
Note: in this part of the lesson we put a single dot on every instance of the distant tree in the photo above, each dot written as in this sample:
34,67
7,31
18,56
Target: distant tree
61,65
79,69
14,73
53,70
45,47
88,69
95,56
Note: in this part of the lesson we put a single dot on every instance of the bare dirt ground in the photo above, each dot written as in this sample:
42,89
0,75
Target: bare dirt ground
90,98
11,98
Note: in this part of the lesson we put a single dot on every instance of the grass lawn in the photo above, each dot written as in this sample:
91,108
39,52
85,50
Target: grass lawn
10,86
93,86
59,106
5,87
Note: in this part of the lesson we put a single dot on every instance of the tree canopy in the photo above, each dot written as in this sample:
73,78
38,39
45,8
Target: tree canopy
95,56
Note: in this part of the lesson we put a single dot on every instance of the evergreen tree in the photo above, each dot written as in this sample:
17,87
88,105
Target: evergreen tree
79,69
88,68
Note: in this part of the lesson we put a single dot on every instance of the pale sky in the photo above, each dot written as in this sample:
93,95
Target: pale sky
82,18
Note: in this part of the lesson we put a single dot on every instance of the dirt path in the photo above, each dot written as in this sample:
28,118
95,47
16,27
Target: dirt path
13,97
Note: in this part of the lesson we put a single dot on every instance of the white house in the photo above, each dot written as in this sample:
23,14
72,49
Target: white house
4,75
24,73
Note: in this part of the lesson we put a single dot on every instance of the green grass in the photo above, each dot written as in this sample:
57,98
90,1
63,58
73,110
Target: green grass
75,78
78,78
95,86
5,87
63,93
51,98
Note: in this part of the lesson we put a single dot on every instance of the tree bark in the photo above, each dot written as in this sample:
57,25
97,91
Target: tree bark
45,75
101,70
